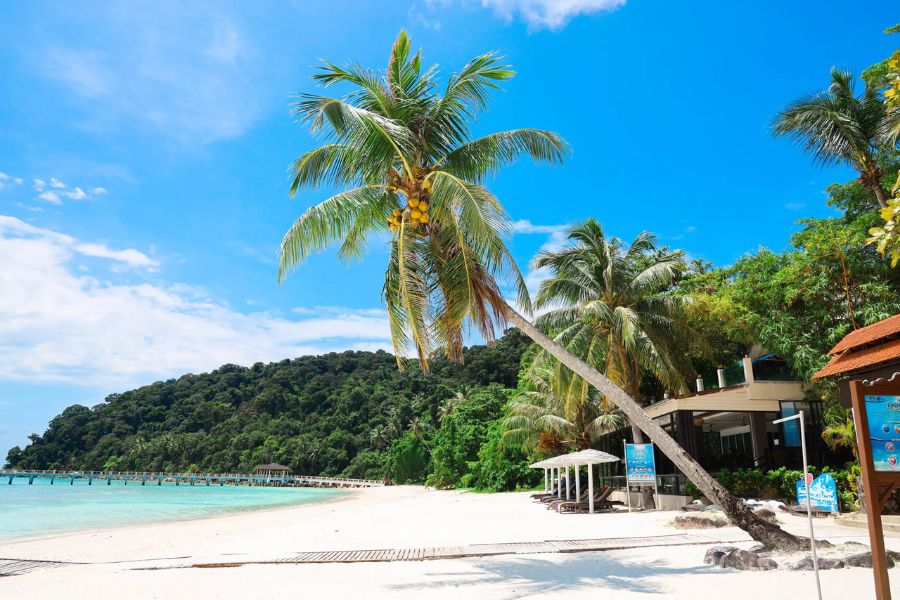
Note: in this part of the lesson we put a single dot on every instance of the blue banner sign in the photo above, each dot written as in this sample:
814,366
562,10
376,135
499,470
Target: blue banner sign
640,467
823,491
883,413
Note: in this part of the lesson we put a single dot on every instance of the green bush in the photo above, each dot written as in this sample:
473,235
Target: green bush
781,484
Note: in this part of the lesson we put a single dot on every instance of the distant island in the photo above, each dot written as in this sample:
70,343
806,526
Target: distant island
351,414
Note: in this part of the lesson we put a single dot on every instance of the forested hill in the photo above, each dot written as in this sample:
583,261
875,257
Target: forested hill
331,414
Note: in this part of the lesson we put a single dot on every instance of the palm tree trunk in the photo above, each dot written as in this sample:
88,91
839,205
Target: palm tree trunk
760,530
881,194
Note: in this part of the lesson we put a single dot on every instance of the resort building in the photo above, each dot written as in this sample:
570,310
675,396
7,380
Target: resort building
730,424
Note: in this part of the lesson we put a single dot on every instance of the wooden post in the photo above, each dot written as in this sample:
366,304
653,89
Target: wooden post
877,484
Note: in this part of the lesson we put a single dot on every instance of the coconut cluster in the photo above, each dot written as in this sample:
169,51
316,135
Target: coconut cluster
418,197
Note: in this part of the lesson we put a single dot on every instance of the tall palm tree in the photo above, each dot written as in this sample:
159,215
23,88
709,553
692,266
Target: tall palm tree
838,127
403,150
539,411
606,301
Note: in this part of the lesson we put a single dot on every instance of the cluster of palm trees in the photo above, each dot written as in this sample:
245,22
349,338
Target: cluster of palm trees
399,134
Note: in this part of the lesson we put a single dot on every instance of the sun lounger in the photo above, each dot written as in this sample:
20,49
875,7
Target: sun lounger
553,503
601,502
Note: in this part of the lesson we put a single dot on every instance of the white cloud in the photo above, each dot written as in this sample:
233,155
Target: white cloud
4,176
76,194
556,239
56,183
51,197
550,14
39,185
18,180
131,257
58,323
98,191
182,70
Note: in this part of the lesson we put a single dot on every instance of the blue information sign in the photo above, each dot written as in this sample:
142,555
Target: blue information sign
823,491
884,431
640,467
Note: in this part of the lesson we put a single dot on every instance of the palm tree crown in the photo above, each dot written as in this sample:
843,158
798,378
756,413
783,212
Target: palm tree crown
402,151
606,303
839,127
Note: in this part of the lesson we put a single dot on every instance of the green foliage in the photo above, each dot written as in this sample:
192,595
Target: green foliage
499,467
462,434
336,414
781,483
408,459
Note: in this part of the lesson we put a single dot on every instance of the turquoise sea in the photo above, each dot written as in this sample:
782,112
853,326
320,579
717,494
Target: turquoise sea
44,509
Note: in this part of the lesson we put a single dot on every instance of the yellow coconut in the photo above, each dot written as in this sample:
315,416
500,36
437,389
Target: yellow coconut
424,218
414,202
426,185
423,206
415,214
396,212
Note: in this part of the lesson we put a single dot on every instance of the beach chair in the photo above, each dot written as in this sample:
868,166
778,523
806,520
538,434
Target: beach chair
601,502
553,503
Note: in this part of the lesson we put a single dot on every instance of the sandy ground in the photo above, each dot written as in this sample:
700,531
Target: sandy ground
400,517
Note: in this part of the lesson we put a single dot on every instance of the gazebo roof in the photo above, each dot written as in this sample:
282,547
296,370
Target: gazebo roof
272,467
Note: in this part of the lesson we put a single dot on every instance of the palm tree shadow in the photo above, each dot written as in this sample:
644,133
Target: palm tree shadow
595,570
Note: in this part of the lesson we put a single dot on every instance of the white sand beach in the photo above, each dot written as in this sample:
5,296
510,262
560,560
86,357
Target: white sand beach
143,561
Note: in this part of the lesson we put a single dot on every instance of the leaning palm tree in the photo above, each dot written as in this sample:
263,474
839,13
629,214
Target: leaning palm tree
838,127
606,301
402,152
539,410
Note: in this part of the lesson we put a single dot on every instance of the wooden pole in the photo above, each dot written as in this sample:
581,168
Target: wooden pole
870,483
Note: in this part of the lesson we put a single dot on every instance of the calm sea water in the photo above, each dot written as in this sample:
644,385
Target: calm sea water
44,509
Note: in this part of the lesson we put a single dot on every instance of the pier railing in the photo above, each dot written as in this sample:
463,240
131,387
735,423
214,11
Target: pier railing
191,478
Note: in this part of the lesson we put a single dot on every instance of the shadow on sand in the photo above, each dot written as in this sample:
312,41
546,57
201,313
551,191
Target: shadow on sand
597,571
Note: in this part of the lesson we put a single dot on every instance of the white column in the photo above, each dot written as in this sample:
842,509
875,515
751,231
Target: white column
546,479
568,484
577,483
591,488
559,482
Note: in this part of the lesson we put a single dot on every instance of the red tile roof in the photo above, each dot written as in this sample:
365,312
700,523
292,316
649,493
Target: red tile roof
866,335
856,360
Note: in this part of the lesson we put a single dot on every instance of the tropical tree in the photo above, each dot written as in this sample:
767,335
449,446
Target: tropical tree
838,127
840,431
404,153
606,301
539,412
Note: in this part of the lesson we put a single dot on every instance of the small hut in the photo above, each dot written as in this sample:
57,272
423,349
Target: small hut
868,353
272,470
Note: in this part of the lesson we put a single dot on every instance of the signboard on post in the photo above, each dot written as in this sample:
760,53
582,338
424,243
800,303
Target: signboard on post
876,414
640,466
640,469
823,490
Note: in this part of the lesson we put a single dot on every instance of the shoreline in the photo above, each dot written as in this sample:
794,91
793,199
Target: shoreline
154,560
340,495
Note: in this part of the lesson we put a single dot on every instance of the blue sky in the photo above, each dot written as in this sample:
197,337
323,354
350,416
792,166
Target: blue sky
144,153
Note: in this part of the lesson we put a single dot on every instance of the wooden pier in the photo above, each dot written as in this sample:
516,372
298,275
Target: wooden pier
207,479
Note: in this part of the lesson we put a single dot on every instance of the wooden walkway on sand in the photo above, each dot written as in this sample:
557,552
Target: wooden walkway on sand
482,550
140,477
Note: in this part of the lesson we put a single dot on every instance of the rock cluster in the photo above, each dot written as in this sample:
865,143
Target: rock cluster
743,560
699,521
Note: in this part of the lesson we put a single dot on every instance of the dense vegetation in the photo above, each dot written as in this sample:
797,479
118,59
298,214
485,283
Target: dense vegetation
351,413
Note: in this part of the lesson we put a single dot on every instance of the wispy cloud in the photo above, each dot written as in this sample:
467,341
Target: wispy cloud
60,323
556,239
795,205
57,190
176,69
550,14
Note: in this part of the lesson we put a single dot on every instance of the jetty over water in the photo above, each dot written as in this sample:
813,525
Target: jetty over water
208,479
